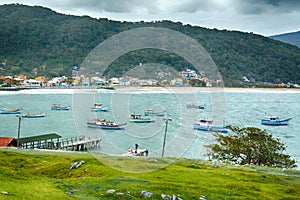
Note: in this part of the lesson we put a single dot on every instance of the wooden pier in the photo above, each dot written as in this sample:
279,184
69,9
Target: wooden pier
80,144
54,141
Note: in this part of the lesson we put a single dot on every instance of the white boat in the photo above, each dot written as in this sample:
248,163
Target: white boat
206,125
103,124
275,121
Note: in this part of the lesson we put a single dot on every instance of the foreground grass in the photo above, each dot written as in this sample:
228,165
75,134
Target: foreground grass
47,175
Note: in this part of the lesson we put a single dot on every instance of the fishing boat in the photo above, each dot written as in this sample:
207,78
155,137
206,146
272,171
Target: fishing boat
137,118
15,111
104,124
191,105
206,125
150,112
34,115
60,107
275,121
99,107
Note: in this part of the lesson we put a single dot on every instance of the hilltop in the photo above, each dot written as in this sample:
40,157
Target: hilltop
53,43
291,38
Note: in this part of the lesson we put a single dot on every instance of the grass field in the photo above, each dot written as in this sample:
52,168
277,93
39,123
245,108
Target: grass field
30,174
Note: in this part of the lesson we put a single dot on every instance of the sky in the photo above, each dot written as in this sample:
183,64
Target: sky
263,17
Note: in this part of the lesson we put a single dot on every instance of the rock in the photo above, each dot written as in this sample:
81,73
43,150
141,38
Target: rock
73,165
166,196
146,194
110,191
76,164
80,163
170,197
202,197
4,192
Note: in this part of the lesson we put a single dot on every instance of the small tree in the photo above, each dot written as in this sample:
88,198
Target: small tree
250,145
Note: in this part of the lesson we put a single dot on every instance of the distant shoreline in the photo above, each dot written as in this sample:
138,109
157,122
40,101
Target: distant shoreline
184,88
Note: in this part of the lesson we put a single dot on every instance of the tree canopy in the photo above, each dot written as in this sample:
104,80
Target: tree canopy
250,145
37,37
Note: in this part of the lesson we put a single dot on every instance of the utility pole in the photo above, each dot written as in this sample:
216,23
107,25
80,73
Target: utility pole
19,129
164,143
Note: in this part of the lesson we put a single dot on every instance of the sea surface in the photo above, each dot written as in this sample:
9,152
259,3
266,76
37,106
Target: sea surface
245,107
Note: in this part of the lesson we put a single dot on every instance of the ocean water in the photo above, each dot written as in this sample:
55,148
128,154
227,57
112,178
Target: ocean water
228,106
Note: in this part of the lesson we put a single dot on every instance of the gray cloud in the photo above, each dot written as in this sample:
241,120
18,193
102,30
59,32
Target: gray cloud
265,17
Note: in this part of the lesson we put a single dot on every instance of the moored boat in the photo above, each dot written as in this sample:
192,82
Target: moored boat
60,107
206,125
34,115
137,118
104,124
99,107
191,105
150,112
15,111
275,121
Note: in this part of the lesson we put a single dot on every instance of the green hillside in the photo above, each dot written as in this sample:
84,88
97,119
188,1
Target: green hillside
36,37
31,174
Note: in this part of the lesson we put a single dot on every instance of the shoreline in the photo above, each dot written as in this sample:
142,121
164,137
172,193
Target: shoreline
157,88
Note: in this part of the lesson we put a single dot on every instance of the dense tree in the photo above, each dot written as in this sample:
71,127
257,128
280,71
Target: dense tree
37,37
250,145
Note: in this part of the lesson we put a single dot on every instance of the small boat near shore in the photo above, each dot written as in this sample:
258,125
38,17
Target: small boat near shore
99,107
206,125
41,115
60,107
150,112
275,121
104,124
137,118
15,111
136,152
191,105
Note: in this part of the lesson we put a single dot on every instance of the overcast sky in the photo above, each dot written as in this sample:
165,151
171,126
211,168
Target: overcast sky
265,17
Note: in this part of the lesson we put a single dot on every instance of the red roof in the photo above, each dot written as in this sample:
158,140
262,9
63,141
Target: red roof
7,141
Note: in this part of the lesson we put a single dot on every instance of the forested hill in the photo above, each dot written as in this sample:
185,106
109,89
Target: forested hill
292,38
36,37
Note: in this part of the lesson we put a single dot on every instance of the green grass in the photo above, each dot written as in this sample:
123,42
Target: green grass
29,174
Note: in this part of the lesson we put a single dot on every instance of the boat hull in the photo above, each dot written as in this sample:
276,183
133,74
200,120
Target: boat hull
34,115
102,109
120,127
195,106
142,120
60,108
17,111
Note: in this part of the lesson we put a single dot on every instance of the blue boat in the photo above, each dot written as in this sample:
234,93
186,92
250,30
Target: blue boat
99,107
15,111
275,121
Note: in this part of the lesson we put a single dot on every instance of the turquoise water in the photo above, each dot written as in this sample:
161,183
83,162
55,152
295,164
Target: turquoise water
236,107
